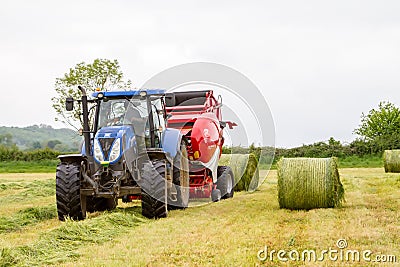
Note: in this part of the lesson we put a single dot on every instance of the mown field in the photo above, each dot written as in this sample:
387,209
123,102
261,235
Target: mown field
229,233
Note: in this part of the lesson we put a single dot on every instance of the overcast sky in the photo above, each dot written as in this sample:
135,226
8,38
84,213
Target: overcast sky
319,64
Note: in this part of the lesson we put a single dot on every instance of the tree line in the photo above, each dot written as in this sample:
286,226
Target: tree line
40,137
331,148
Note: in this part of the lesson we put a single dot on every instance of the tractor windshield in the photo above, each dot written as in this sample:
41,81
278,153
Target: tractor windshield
117,112
134,112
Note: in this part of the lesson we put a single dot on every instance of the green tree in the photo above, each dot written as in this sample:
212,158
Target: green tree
6,140
36,145
381,127
52,143
102,73
381,122
61,147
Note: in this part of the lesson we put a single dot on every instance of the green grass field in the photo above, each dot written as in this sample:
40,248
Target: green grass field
43,166
228,233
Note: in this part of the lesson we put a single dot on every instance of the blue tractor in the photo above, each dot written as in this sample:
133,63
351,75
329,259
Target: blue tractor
127,154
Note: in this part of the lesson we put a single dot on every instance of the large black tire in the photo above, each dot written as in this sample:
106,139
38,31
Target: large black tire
68,195
225,181
154,190
180,180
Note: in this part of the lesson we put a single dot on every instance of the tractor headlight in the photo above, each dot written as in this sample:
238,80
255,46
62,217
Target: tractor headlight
98,154
115,150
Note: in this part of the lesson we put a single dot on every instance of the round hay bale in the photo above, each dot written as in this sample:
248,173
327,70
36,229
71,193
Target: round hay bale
245,170
391,160
309,183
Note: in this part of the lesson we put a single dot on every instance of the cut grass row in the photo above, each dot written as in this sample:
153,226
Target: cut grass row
17,194
25,200
26,217
61,244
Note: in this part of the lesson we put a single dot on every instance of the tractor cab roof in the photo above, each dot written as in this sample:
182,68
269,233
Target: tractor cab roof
130,93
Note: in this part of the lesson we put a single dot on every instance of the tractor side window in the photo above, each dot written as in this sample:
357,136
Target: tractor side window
158,120
158,113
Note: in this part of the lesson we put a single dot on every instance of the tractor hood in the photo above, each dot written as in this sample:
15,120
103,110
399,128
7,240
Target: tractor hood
110,143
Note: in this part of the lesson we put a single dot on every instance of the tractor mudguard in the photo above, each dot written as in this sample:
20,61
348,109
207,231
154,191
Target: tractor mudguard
171,141
71,158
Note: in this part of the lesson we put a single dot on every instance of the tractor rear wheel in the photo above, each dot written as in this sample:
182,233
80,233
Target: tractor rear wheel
180,180
154,190
225,181
68,183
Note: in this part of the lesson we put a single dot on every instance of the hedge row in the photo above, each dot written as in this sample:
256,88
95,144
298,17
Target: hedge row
14,154
330,148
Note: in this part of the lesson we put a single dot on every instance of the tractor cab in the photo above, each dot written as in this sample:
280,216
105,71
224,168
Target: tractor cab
127,120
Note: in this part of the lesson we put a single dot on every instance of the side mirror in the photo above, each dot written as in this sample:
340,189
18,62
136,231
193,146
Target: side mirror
69,104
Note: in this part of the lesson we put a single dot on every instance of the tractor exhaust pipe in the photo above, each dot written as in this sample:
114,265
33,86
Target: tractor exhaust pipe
85,115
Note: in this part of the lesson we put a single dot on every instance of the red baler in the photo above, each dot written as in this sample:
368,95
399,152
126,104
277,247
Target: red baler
197,114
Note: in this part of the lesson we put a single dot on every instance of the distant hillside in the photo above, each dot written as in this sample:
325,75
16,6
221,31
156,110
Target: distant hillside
40,136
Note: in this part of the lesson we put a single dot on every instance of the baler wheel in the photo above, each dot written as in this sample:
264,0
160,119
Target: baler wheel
180,180
225,181
216,195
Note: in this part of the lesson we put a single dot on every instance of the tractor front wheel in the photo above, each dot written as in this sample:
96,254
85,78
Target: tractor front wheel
154,190
68,184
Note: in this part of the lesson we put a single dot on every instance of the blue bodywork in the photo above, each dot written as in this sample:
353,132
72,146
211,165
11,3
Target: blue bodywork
117,132
170,138
171,141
